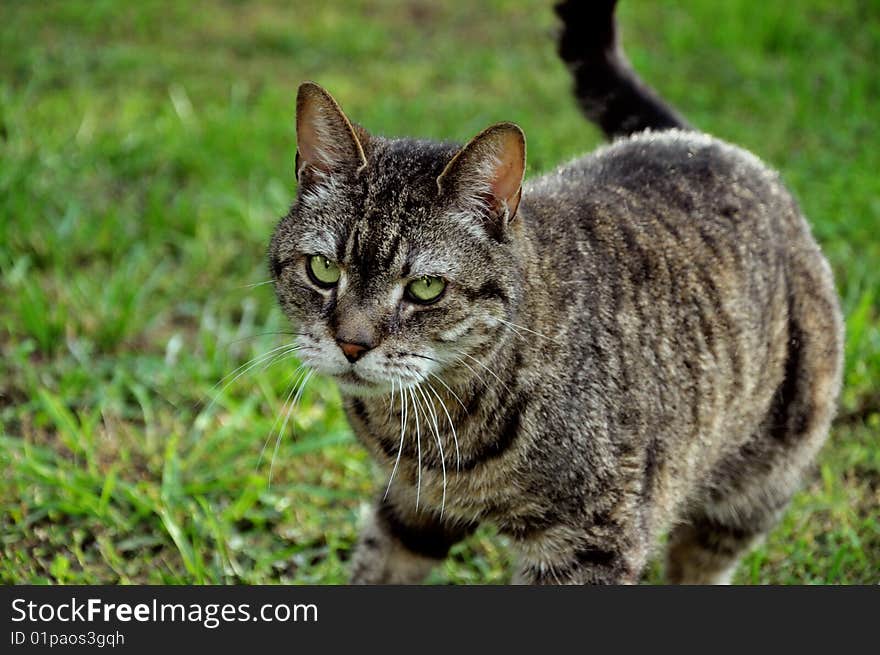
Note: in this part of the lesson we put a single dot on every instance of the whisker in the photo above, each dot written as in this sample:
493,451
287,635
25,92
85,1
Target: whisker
446,386
255,284
513,326
281,357
391,403
460,360
292,390
440,380
302,385
433,413
412,397
489,370
402,429
272,357
253,360
451,426
226,344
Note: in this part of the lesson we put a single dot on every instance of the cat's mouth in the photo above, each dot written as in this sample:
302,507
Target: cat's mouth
374,375
350,377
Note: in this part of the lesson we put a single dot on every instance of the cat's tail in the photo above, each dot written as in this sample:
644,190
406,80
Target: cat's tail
607,88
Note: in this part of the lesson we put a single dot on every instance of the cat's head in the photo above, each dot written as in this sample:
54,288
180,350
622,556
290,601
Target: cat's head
398,259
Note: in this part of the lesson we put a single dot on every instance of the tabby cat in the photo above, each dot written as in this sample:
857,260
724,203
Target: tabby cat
646,341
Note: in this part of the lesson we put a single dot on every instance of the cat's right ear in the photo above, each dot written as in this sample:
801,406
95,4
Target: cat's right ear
326,141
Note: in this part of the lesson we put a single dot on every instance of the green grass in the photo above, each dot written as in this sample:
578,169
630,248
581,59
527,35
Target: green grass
146,151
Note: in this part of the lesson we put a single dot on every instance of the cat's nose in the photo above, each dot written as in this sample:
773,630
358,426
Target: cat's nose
355,331
352,351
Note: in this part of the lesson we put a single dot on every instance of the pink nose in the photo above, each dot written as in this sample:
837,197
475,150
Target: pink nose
352,351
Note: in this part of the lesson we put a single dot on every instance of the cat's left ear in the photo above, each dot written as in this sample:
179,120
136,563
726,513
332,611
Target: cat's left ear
326,141
489,171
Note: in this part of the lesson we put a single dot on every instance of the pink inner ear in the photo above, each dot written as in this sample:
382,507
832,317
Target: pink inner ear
325,139
311,149
508,173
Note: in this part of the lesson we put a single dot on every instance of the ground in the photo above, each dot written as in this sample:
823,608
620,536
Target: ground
146,151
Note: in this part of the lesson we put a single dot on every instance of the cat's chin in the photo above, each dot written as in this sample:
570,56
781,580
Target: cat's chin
351,384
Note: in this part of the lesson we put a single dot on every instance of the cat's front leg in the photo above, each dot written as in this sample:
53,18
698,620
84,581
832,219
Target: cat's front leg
399,546
562,556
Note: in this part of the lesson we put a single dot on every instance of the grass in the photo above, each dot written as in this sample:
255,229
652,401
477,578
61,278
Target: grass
146,150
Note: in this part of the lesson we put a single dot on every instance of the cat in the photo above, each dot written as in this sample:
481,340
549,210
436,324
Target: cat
644,342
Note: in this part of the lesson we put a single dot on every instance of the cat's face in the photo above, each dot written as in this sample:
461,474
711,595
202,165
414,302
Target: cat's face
395,262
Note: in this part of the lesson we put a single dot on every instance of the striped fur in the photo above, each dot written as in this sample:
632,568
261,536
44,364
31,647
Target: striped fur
652,346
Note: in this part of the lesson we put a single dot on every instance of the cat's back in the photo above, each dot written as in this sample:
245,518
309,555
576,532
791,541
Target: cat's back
688,259
675,199
687,176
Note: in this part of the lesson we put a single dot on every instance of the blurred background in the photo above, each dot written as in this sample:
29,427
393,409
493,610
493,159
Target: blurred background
146,152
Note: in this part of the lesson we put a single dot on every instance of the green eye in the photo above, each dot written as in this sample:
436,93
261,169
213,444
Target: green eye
425,289
323,272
